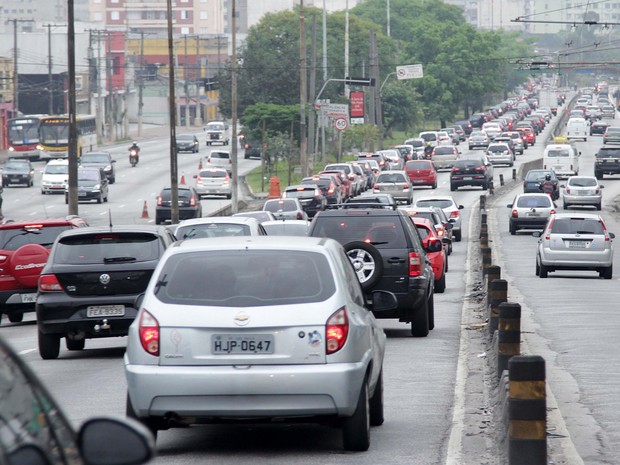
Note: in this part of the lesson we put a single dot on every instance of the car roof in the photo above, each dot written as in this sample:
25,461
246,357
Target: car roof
63,161
45,223
314,244
220,219
132,228
286,221
587,216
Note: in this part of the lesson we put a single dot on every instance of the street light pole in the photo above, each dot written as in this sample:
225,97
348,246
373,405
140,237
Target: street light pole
233,137
174,172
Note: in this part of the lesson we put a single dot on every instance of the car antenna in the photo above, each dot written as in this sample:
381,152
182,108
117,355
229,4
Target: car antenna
110,216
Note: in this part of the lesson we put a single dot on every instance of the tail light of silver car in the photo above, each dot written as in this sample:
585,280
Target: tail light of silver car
336,330
49,283
415,264
300,216
454,214
148,330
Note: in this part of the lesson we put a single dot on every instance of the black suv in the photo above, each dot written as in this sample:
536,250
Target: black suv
92,277
607,161
18,171
387,254
189,204
470,172
101,160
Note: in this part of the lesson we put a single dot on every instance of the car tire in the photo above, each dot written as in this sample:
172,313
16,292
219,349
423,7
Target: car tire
15,317
49,346
149,423
564,205
537,269
113,180
512,228
485,186
598,206
356,428
543,271
420,321
229,196
100,198
457,236
598,175
440,284
375,404
607,273
367,262
73,344
452,187
434,186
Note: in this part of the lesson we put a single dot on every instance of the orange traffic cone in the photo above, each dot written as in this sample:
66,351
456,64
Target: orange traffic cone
145,211
200,164
182,179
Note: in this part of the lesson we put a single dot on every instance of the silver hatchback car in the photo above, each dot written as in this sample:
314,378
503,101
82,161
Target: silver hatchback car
582,190
255,329
575,241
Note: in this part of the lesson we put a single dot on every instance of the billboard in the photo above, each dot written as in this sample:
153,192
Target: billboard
357,104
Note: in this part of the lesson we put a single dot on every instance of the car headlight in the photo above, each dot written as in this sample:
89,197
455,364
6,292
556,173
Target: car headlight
108,168
96,187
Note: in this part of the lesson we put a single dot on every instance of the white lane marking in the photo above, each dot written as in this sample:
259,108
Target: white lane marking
26,351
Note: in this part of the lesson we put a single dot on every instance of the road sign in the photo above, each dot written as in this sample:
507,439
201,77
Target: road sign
409,72
341,123
334,110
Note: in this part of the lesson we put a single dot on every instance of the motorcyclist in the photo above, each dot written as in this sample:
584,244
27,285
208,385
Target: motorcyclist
134,154
428,150
548,186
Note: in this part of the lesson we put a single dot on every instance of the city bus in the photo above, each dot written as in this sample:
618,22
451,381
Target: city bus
22,136
54,135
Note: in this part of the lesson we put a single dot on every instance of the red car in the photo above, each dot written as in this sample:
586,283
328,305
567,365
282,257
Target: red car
346,185
439,260
528,135
421,173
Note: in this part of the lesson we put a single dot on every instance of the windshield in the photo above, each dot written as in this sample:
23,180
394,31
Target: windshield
57,169
55,134
13,239
92,158
215,127
88,175
23,132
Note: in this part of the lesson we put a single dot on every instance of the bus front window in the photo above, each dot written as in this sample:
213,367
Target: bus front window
54,135
23,134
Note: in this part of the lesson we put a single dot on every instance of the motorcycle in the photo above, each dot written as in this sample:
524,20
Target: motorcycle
134,157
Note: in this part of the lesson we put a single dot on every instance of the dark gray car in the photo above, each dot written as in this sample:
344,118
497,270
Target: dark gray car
101,160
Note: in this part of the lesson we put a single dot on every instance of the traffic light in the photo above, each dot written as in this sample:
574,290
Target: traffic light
357,81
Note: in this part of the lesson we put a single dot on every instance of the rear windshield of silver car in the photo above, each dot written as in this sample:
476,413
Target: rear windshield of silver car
199,231
577,226
534,201
107,248
245,278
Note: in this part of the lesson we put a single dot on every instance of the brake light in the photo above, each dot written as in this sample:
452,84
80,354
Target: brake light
198,180
567,190
300,216
336,330
226,180
454,214
246,146
479,168
376,186
159,201
149,333
415,264
381,162
515,214
192,201
455,169
331,189
440,232
49,283
317,192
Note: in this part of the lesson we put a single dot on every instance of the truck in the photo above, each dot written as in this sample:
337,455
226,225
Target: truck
548,98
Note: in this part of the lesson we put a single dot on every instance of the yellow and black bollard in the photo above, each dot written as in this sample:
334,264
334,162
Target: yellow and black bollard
508,334
527,411
499,295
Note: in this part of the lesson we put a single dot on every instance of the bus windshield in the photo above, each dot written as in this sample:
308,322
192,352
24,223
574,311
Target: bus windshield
23,131
55,134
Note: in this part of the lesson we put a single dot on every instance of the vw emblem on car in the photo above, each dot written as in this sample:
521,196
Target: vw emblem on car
104,279
242,319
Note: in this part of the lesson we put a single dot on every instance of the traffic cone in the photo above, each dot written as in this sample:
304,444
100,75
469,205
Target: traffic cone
200,164
182,179
145,211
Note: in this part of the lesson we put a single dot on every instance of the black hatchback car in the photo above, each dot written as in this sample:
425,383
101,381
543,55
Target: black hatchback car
187,143
100,160
470,172
91,279
387,254
18,171
92,184
189,204
310,197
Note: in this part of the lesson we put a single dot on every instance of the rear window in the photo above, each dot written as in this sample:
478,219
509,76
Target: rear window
13,239
391,177
534,201
300,193
107,248
382,232
422,231
429,137
608,153
345,168
582,182
245,278
613,130
280,205
220,155
536,175
497,148
322,183
199,231
441,203
577,226
558,153
213,174
418,165
183,194
443,151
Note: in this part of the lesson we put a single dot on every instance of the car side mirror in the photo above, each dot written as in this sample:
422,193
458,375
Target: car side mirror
509,205
461,207
195,176
434,246
612,235
562,186
537,233
113,161
449,226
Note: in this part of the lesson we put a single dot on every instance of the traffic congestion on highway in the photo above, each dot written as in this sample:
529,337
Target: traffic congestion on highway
231,345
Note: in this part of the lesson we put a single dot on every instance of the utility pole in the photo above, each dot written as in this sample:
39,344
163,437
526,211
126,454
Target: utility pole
141,85
198,75
312,94
110,99
346,47
15,73
303,93
72,155
50,91
174,168
324,42
185,86
233,137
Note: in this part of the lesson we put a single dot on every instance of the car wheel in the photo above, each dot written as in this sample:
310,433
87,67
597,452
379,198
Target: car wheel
440,284
356,428
543,271
73,344
598,206
537,268
112,180
105,199
457,236
100,198
446,268
452,187
431,312
607,273
434,186
229,196
15,317
376,403
485,186
513,228
49,346
598,175
149,423
367,262
564,205
420,322
158,220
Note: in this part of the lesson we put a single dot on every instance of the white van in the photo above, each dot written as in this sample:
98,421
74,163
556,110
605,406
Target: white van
55,177
561,158
577,128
